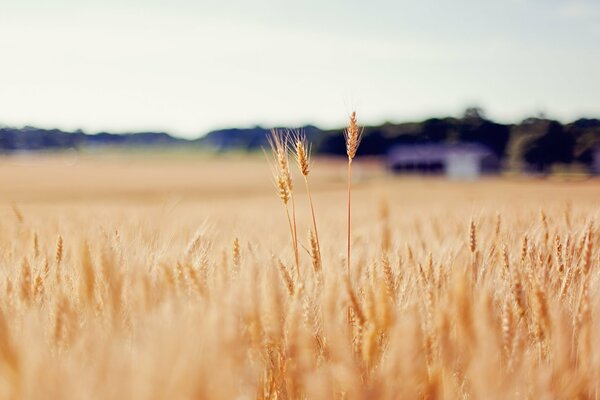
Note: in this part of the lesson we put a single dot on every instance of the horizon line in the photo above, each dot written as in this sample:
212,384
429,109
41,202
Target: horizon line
258,125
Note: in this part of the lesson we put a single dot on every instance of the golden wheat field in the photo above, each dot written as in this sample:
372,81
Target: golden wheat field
136,276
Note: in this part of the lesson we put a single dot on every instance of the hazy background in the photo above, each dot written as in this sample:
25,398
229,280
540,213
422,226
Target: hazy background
189,67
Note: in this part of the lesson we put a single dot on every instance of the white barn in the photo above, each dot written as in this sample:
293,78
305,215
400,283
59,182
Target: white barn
456,161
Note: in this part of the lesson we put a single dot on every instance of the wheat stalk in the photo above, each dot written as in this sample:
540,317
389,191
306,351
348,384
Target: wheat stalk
284,184
302,153
352,135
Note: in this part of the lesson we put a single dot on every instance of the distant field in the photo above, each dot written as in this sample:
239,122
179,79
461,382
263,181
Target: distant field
138,276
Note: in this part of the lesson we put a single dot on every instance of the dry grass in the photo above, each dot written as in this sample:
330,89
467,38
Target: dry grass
176,279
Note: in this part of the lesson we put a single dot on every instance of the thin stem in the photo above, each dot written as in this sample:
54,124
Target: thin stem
314,220
349,189
295,236
287,213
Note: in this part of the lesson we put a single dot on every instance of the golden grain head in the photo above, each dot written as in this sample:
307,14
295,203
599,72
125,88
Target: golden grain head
283,189
353,135
301,152
472,237
315,252
279,143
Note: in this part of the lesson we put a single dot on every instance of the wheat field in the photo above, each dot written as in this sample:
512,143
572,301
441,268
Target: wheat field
160,277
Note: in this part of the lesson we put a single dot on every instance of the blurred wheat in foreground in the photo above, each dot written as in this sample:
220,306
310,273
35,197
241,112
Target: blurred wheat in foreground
137,300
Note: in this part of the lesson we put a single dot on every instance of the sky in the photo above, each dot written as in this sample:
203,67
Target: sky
188,67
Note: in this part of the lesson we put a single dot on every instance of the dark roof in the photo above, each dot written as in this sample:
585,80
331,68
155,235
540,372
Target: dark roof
435,152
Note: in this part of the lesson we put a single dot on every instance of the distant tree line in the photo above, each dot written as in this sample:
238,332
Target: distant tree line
36,139
535,144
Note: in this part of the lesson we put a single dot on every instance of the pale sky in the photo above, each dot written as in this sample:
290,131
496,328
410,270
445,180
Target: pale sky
191,66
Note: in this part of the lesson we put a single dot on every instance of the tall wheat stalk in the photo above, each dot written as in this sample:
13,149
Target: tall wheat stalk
284,185
352,134
302,154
